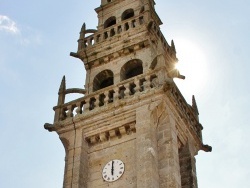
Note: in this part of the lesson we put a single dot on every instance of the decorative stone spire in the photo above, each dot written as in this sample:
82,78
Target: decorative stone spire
194,105
61,92
82,32
81,39
173,46
62,86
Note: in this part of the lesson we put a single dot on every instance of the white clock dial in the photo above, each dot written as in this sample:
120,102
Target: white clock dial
113,170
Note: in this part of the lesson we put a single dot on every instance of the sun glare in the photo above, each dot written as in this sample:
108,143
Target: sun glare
193,65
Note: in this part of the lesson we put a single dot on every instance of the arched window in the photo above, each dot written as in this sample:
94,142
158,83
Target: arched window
131,68
109,22
129,13
103,79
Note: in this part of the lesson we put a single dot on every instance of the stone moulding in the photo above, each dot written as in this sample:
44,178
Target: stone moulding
110,134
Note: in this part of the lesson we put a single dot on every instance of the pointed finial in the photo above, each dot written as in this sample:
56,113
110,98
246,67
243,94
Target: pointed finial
83,27
194,105
63,85
82,32
173,46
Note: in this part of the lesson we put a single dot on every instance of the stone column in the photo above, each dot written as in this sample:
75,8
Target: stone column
83,165
68,142
117,78
146,149
169,169
75,175
187,166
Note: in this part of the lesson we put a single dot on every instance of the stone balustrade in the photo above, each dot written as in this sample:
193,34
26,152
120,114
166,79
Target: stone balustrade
111,31
186,111
157,31
124,90
105,96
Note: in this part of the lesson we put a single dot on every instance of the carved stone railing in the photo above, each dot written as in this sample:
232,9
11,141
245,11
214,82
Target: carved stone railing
186,111
157,31
109,32
105,96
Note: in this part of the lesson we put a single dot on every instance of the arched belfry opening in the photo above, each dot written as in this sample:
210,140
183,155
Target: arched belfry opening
110,21
129,13
131,68
103,79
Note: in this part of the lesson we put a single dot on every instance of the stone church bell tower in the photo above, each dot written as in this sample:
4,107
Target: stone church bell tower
132,127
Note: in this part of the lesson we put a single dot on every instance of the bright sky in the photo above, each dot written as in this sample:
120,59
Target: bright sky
212,41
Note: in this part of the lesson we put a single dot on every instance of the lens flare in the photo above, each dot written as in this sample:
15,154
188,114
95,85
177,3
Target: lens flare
193,65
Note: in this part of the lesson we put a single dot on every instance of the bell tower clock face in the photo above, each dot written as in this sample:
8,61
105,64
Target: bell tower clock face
113,170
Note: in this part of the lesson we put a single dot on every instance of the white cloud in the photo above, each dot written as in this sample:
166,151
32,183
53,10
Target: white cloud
6,24
25,34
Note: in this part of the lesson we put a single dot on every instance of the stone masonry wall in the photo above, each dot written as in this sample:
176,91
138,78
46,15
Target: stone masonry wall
150,151
146,149
169,170
118,148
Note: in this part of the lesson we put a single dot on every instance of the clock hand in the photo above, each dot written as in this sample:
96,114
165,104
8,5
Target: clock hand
112,168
